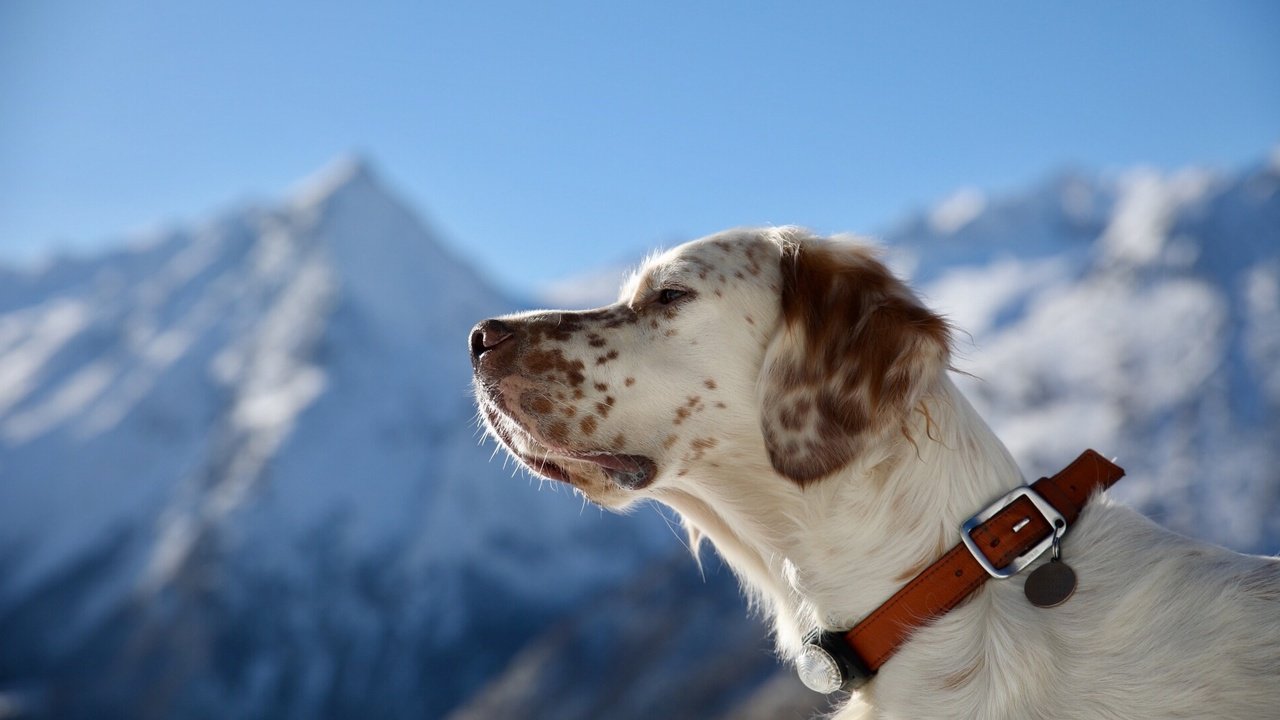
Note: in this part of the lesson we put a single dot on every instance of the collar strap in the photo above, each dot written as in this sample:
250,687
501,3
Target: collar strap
997,542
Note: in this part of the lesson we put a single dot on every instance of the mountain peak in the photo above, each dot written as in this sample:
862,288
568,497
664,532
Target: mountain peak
347,174
382,255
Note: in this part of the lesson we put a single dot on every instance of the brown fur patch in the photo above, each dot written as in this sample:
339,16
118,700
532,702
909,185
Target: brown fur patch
866,349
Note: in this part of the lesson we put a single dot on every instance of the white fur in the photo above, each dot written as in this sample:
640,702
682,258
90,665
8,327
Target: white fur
1161,626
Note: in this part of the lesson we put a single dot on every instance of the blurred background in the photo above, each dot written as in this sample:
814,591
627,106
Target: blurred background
241,245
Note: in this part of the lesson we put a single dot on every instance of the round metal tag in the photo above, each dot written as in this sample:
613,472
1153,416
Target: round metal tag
1050,585
818,670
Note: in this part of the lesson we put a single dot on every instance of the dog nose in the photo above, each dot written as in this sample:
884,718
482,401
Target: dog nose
488,335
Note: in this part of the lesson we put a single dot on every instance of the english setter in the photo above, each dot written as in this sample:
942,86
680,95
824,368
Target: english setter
789,398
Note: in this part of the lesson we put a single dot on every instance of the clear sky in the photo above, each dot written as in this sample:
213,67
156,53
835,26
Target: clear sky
546,137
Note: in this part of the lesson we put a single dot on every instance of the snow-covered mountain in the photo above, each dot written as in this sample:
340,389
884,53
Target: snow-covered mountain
1140,316
240,474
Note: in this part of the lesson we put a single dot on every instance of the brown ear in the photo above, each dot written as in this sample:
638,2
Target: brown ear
853,355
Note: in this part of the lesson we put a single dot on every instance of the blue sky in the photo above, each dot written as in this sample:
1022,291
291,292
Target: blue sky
546,137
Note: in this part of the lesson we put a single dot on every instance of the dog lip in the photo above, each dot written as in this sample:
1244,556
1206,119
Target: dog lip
632,472
546,469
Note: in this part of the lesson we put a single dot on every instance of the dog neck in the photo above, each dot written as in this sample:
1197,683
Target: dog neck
826,555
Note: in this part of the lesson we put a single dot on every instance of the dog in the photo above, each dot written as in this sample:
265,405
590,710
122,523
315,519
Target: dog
789,398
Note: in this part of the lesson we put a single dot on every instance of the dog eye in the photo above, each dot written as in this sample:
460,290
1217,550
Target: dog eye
666,296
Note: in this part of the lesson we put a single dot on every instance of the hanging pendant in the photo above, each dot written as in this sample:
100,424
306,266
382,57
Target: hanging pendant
1051,584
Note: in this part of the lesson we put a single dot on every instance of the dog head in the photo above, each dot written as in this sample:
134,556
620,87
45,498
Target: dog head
767,344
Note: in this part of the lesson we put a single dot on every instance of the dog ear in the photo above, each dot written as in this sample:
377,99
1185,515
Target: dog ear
854,353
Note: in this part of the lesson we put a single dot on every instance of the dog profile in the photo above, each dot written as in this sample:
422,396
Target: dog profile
788,397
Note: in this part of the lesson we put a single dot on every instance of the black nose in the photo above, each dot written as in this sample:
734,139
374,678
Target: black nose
488,335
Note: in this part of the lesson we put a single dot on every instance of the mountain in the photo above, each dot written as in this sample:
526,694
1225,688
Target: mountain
242,476
240,473
1141,317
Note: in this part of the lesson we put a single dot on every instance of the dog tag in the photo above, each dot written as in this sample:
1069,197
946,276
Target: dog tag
1051,584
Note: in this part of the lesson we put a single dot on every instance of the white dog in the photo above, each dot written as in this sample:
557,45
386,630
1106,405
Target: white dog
788,397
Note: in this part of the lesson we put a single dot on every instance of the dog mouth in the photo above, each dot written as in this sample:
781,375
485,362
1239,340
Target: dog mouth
630,472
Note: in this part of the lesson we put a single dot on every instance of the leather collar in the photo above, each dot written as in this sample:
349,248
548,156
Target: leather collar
1008,534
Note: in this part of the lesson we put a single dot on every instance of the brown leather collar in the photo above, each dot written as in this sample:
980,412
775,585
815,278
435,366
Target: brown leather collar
859,652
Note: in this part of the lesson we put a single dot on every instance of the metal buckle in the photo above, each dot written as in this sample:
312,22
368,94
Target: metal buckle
1017,564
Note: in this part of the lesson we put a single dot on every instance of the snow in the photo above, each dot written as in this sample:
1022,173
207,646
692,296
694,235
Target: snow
958,210
34,336
973,299
1262,298
1139,229
67,401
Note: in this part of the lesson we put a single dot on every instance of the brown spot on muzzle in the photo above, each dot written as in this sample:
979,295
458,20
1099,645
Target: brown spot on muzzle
535,403
558,432
549,363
